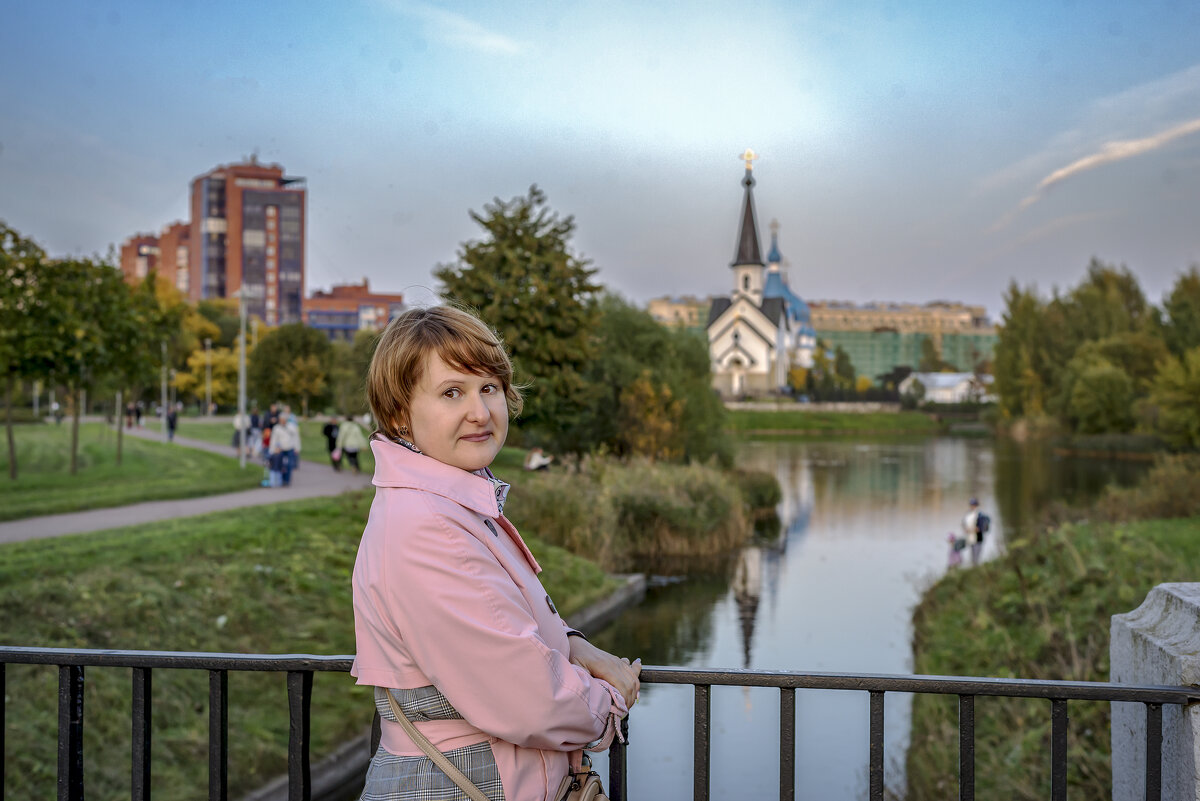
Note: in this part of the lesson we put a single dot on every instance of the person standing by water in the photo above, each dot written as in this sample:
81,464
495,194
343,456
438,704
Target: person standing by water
975,524
350,440
453,627
330,432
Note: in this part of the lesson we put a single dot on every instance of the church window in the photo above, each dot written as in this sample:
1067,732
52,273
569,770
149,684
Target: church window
746,282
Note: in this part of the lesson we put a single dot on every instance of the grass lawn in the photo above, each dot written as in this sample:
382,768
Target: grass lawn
1041,611
150,471
803,422
274,579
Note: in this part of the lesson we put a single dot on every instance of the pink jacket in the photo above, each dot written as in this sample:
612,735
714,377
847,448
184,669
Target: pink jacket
446,593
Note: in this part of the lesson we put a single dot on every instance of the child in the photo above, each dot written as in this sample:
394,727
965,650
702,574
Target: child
957,545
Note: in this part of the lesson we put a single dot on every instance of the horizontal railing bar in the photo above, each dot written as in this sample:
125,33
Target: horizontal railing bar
184,660
866,682
959,685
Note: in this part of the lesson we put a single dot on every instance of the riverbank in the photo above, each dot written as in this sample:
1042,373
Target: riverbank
1042,610
272,580
797,421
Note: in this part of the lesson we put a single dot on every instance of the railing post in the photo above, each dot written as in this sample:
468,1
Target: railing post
218,735
1058,749
3,691
700,742
299,689
966,748
1157,643
70,733
618,789
876,748
787,743
139,783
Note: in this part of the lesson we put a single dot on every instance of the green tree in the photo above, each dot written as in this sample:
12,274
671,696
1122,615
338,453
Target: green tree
1175,393
1181,328
650,419
269,364
26,344
631,344
524,280
844,369
222,314
1107,302
1023,369
1101,399
348,374
305,379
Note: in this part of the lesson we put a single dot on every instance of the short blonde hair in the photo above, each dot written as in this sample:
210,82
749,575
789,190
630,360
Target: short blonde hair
462,341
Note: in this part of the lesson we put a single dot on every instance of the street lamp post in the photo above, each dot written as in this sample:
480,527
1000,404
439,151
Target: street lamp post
241,398
207,377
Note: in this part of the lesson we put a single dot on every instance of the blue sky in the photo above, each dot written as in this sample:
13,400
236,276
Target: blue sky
910,151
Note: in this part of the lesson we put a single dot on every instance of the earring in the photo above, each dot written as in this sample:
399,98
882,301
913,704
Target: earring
404,431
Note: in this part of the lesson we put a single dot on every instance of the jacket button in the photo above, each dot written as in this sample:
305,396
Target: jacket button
491,527
550,604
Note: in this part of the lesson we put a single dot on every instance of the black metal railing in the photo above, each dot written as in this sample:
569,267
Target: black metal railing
300,669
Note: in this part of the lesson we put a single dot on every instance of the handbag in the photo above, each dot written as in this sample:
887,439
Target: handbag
336,455
581,785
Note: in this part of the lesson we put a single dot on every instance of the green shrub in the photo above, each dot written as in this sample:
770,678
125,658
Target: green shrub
760,490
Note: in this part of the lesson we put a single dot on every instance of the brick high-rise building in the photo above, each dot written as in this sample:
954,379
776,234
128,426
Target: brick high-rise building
247,230
173,256
348,308
139,255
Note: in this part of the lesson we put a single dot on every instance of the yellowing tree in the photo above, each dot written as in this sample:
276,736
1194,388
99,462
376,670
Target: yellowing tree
650,419
224,376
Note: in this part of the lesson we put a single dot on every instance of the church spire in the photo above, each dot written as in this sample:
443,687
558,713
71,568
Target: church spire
748,251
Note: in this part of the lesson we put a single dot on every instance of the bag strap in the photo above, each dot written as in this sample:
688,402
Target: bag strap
457,776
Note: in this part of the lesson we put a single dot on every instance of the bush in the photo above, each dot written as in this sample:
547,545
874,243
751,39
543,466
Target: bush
1171,489
760,490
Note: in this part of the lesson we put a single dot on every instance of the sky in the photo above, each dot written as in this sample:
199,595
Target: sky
909,151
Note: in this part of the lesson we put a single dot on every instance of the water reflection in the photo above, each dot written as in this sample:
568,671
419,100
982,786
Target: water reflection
830,586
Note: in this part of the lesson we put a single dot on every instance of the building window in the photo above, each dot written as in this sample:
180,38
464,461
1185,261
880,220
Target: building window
746,282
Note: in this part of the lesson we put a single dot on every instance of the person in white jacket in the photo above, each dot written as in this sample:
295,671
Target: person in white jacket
284,442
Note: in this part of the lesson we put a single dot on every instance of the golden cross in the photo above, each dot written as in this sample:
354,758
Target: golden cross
749,157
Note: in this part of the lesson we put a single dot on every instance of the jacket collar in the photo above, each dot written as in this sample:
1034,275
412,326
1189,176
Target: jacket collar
397,466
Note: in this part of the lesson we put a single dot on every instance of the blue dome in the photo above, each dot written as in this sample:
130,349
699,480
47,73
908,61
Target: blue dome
776,288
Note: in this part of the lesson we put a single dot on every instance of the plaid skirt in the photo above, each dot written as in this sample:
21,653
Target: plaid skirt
417,778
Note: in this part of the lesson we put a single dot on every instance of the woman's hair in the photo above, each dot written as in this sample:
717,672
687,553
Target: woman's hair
461,340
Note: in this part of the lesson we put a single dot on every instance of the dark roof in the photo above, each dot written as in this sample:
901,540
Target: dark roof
718,307
747,251
773,308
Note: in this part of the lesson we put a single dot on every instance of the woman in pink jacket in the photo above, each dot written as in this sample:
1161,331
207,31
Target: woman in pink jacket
448,611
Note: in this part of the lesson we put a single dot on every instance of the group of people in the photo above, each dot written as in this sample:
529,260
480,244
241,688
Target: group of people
975,524
274,436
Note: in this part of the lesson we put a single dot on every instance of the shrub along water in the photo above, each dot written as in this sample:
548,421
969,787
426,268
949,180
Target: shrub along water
621,514
1042,610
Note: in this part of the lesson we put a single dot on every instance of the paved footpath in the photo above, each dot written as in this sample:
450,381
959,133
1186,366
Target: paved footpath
312,480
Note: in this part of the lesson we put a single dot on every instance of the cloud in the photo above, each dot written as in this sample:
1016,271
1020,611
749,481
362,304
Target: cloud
1108,153
455,29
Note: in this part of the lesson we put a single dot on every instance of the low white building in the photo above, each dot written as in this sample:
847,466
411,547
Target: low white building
950,387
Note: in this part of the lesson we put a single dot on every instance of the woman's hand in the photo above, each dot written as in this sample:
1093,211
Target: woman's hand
618,672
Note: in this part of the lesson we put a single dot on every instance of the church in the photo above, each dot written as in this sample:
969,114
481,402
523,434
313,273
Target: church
762,329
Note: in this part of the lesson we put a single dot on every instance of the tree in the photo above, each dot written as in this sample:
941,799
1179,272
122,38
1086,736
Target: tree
305,378
193,380
348,374
524,280
25,343
1101,399
650,419
276,355
1023,371
1175,393
222,315
1181,329
843,368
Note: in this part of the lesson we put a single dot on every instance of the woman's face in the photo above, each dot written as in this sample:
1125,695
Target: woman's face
458,418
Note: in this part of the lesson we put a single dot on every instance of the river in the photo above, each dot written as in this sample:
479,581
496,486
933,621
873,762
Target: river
831,587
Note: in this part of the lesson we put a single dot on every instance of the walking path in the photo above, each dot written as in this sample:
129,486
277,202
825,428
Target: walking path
311,480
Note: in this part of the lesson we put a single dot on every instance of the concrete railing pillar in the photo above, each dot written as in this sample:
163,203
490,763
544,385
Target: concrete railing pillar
1157,643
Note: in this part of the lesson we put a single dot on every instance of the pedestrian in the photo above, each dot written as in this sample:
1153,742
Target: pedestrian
172,422
330,432
975,524
294,429
957,544
129,415
283,448
351,440
255,433
451,622
536,459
